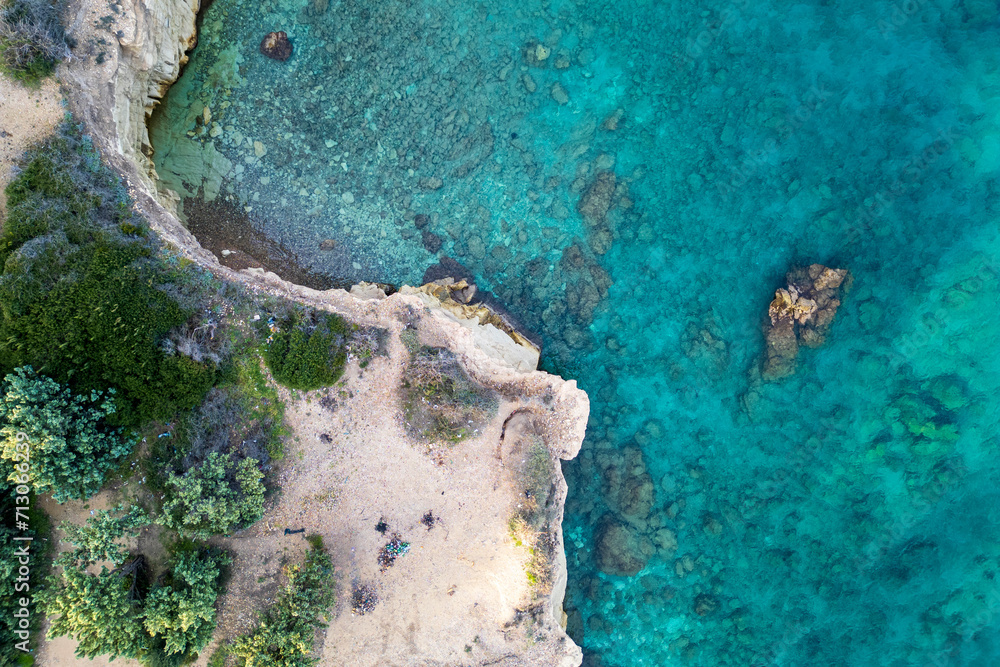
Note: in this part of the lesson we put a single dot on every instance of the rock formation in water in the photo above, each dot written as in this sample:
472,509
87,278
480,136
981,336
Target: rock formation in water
621,549
276,45
801,314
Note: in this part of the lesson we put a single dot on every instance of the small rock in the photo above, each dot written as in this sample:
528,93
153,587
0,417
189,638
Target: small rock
276,45
206,115
705,604
216,129
421,220
605,162
347,198
258,149
542,52
327,244
432,183
620,550
611,122
227,253
432,242
559,93
529,83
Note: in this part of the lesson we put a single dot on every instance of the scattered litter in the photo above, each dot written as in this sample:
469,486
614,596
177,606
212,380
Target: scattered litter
391,551
363,599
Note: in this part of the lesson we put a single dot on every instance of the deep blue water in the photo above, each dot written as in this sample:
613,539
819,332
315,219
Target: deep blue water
846,515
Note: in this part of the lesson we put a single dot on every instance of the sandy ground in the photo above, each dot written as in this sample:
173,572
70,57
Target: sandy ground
453,599
25,117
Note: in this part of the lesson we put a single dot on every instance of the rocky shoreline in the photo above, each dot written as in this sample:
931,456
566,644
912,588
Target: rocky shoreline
112,88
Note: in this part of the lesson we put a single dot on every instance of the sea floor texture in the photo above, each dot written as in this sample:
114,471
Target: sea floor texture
633,181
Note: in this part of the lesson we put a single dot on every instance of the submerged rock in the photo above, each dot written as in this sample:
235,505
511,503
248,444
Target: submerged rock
596,200
629,488
621,550
801,314
276,45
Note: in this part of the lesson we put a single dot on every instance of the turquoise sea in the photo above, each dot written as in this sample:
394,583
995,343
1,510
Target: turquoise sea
846,515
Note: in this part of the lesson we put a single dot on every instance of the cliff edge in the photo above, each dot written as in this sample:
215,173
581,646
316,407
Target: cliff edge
468,589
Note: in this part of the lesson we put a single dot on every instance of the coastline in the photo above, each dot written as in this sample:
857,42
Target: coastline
113,101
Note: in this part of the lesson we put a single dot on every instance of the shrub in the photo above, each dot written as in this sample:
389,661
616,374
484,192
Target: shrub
180,614
108,614
307,350
98,539
440,401
12,584
214,497
31,40
99,611
285,635
82,301
70,446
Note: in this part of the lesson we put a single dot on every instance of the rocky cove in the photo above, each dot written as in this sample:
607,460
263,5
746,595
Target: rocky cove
759,484
113,100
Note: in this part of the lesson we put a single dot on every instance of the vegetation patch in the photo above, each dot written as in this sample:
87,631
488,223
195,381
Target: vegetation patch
440,402
285,635
31,40
86,295
532,468
12,558
120,611
307,349
72,447
214,497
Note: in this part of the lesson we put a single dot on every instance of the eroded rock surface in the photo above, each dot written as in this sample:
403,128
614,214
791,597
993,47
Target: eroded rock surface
276,45
801,314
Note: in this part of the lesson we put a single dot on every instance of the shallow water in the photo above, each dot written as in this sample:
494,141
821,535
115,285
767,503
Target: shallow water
847,515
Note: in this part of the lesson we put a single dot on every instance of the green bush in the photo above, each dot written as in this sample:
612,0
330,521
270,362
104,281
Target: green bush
109,614
99,538
31,40
13,586
285,635
82,301
308,351
99,611
180,614
70,446
214,497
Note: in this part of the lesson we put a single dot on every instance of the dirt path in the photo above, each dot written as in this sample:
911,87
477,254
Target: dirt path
25,117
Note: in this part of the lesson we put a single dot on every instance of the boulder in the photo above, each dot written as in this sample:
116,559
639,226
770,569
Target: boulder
621,550
628,488
801,314
276,45
596,200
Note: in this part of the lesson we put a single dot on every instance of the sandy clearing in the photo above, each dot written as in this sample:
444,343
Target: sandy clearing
25,117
